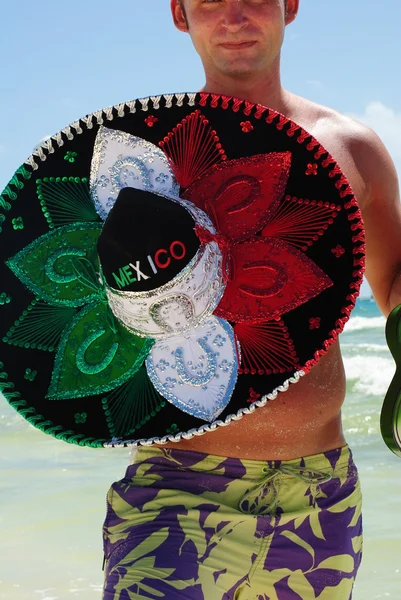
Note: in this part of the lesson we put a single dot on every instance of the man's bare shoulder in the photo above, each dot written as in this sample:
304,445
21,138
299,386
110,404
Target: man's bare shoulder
371,172
357,148
317,118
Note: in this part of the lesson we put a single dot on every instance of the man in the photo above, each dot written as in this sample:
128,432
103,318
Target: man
243,554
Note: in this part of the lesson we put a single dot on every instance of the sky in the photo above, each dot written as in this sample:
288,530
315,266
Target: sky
62,60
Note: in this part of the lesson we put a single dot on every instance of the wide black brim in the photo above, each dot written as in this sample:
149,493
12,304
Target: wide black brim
49,195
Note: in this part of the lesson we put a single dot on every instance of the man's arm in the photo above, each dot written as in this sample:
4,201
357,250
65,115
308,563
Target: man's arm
381,211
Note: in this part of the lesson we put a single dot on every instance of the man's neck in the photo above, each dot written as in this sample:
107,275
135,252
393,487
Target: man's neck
263,91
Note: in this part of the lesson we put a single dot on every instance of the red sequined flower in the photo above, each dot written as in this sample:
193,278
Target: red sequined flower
253,396
314,323
151,120
246,126
338,251
311,169
263,236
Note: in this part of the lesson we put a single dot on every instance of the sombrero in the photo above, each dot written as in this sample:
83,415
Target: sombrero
169,265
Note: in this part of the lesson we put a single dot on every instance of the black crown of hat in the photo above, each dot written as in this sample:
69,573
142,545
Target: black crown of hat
146,241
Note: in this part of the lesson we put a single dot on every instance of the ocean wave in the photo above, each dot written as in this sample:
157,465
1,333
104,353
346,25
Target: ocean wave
366,347
369,375
358,323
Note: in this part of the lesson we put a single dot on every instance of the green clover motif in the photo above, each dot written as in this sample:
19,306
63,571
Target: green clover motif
70,156
81,418
4,299
30,375
173,429
18,223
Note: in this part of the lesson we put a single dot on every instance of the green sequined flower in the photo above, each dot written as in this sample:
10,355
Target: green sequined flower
95,353
18,223
4,299
30,375
70,156
81,417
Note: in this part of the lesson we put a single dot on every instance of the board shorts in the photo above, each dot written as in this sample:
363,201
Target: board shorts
187,525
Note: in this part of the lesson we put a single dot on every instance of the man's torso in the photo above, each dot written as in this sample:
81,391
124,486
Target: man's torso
306,419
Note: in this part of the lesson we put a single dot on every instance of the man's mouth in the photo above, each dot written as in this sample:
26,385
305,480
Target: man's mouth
237,45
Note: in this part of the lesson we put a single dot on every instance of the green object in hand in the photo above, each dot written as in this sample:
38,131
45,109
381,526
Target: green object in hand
390,419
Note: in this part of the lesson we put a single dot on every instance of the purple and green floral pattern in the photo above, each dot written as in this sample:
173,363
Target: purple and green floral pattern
187,525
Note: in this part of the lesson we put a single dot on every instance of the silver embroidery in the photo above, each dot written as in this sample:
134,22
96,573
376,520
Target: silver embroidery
88,121
99,117
126,172
169,100
180,99
145,103
127,161
68,133
131,106
58,139
144,313
39,153
32,163
172,312
48,146
77,127
120,110
109,113
156,102
193,383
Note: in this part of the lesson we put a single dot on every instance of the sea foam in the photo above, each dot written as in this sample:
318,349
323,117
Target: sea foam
358,323
369,374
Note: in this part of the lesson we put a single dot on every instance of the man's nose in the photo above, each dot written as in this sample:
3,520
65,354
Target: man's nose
235,18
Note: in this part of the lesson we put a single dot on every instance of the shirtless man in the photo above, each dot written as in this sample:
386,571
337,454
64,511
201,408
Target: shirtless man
239,43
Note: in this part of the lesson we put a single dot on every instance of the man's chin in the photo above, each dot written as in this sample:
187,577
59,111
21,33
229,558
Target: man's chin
238,71
239,67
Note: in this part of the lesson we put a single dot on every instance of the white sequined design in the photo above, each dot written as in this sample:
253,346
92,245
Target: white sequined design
178,306
122,160
182,303
178,314
197,371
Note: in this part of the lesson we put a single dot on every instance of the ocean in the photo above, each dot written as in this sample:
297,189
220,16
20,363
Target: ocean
53,494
